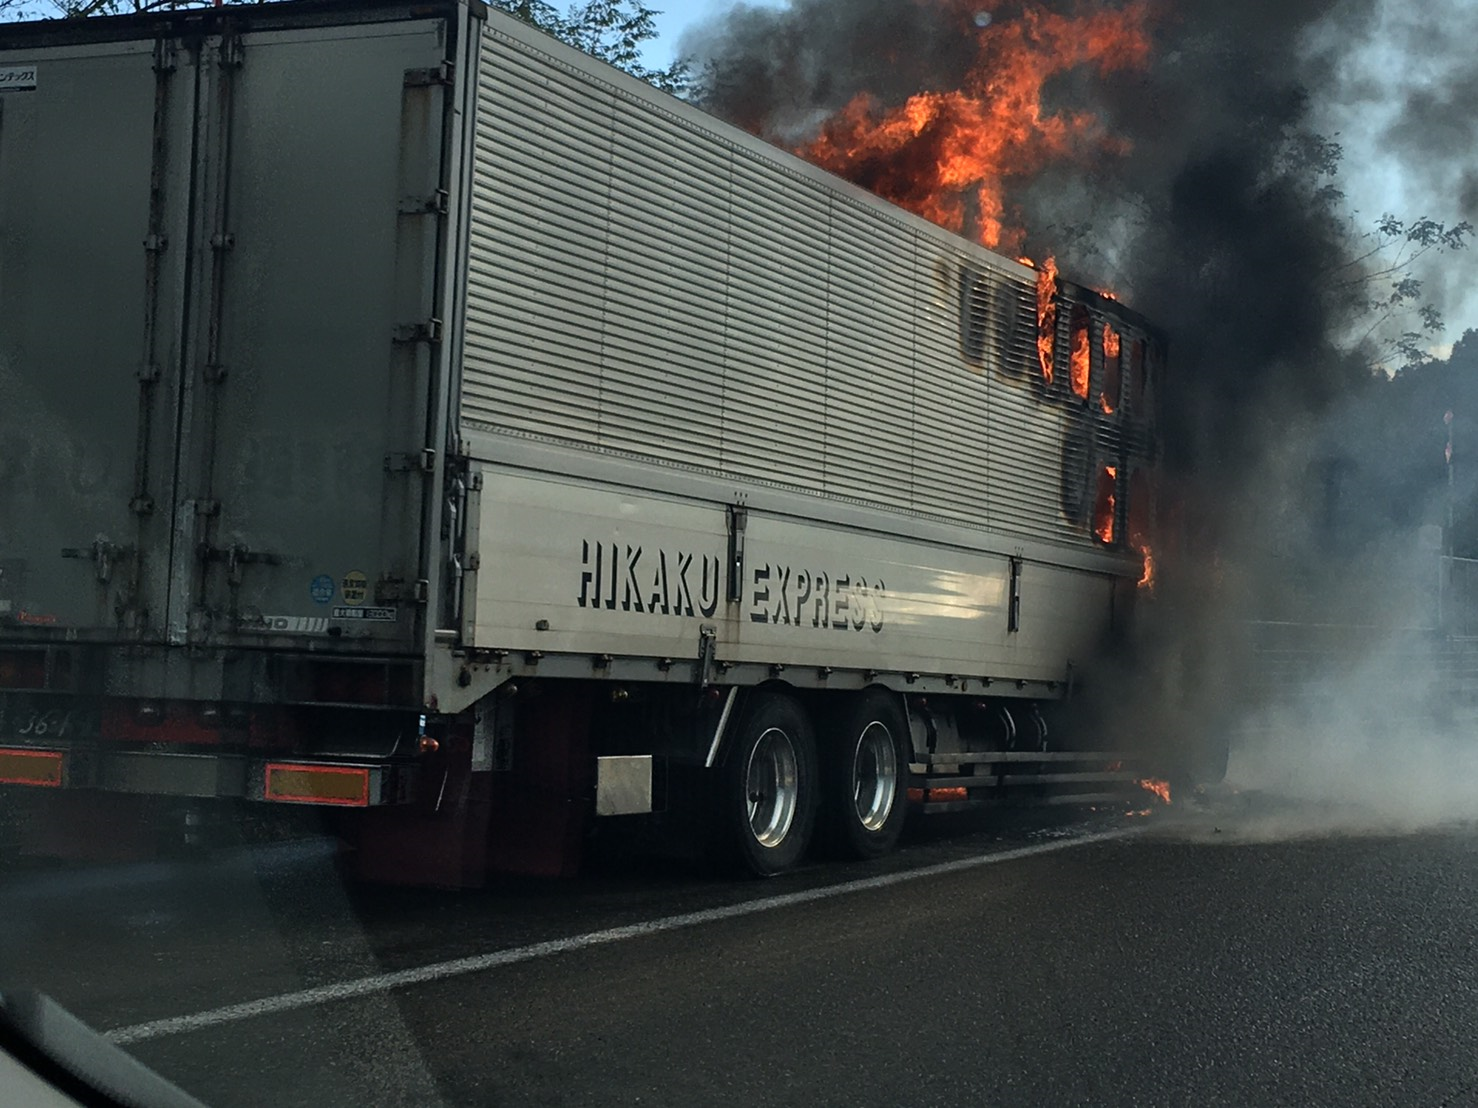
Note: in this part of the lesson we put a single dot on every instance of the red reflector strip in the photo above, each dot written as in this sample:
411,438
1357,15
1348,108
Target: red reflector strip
925,796
298,784
960,793
22,669
31,767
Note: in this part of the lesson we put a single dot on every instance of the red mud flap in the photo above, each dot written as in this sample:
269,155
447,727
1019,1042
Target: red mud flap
542,805
528,819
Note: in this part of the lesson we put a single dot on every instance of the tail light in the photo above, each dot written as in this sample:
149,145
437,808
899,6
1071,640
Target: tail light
365,683
23,669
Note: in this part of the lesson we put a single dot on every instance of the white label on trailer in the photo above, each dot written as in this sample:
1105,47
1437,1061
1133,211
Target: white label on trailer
579,568
296,625
17,78
376,615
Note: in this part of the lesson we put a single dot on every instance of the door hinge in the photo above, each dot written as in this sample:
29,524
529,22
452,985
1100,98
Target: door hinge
236,557
164,56
738,522
389,590
442,74
233,51
427,331
104,554
156,244
707,646
423,461
222,240
438,203
1013,612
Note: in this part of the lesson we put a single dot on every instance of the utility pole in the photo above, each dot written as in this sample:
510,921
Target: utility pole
1447,453
1445,562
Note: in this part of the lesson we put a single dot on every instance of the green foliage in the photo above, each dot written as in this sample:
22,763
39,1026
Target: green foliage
1400,326
612,30
82,9
1376,282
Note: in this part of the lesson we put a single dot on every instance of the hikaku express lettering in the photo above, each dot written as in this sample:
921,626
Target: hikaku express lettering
812,598
656,581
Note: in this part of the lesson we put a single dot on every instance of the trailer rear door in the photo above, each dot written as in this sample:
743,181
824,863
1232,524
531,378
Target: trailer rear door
94,195
218,328
306,421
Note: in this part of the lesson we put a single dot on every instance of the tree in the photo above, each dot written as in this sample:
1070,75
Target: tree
1382,275
612,30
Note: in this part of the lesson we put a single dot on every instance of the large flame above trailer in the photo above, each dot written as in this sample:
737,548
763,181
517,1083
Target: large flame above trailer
948,155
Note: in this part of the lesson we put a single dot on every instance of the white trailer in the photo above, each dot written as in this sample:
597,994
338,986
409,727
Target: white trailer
408,414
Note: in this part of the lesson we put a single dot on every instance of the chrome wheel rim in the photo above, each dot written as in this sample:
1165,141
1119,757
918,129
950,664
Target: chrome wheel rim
772,787
874,776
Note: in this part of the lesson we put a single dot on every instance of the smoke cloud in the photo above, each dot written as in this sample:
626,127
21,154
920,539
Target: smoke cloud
1226,221
1382,745
1219,223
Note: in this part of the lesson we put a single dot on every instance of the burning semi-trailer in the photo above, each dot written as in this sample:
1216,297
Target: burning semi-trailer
466,439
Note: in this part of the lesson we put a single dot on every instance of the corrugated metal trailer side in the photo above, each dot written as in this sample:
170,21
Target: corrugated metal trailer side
684,317
647,281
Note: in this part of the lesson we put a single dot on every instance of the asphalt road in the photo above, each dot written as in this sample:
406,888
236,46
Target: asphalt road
1200,959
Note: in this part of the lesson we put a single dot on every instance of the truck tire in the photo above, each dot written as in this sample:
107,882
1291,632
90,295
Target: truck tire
864,775
767,786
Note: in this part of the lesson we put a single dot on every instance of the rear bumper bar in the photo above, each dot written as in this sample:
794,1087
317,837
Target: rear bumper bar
338,782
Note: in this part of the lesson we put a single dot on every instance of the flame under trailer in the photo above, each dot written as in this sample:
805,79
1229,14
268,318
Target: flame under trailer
406,416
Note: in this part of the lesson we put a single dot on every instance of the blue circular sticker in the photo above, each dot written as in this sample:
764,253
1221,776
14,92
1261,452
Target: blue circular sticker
321,588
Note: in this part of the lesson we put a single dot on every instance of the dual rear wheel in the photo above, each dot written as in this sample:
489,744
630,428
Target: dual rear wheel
779,786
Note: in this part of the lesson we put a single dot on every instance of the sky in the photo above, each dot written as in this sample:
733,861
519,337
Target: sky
678,15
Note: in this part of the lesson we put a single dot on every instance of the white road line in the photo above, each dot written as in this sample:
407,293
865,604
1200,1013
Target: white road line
437,971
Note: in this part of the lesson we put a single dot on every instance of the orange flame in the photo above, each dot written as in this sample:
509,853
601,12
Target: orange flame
1105,503
1108,396
1158,787
1141,513
948,156
1080,359
1047,316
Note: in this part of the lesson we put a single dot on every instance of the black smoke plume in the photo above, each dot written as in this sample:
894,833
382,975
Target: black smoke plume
1220,220
1226,224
